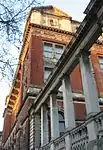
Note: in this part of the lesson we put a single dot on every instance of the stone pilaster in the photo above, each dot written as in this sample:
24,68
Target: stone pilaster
54,116
34,142
44,125
37,131
69,114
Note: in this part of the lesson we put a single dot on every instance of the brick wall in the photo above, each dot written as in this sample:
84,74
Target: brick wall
79,109
35,62
23,112
76,82
98,74
7,126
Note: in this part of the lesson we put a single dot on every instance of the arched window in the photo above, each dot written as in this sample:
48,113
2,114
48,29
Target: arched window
61,124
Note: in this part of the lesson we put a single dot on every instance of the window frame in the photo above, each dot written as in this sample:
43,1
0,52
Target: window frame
53,53
61,122
47,43
47,69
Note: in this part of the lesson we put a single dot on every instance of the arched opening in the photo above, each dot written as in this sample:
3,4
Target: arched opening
61,124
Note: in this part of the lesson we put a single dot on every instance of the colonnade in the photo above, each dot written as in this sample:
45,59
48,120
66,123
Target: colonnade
41,128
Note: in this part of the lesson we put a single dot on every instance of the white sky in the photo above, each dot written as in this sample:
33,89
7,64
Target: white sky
4,88
75,9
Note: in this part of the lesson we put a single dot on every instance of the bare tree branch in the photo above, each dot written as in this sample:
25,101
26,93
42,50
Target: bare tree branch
12,18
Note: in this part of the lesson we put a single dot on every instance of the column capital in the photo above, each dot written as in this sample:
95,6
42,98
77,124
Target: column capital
85,54
32,111
54,92
45,105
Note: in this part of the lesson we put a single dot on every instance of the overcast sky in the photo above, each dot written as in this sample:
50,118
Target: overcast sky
75,9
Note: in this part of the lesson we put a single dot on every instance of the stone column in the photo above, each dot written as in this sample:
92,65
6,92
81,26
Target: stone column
44,125
89,86
54,116
68,104
69,114
90,93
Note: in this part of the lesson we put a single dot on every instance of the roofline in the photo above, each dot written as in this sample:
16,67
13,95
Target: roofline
41,7
38,8
42,27
76,21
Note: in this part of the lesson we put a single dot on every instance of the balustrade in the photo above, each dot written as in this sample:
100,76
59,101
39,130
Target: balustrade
99,124
59,143
46,147
79,137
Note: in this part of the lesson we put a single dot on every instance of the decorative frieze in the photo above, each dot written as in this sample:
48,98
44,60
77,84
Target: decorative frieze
52,35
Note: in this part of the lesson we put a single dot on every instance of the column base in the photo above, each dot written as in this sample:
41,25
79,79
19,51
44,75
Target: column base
67,143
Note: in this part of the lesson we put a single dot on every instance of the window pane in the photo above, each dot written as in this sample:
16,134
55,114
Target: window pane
48,47
101,62
47,50
61,127
58,50
46,73
61,124
101,66
52,50
47,54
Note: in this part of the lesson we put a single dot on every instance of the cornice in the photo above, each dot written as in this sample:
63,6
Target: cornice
52,29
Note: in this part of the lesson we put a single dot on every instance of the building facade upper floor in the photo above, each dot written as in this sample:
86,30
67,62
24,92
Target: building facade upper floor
47,33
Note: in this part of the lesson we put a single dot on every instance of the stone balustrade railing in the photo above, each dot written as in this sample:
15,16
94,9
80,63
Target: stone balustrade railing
59,143
99,124
46,147
78,136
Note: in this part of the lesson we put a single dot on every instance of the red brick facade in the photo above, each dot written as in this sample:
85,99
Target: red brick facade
32,73
35,61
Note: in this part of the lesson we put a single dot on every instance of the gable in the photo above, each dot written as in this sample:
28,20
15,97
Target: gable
51,10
